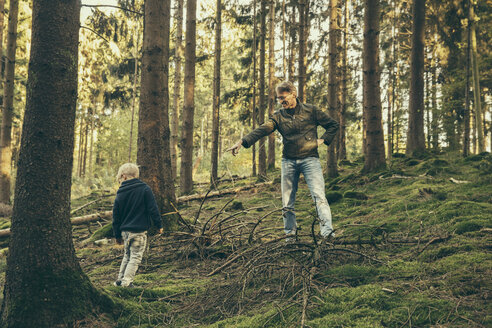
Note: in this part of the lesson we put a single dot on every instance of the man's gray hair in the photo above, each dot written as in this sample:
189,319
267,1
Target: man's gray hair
128,170
286,86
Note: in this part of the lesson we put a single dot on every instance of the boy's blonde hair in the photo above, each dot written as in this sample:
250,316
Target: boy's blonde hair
128,170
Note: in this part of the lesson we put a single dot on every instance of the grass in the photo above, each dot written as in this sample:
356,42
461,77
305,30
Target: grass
439,279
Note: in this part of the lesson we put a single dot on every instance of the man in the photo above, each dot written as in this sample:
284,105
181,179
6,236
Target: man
297,123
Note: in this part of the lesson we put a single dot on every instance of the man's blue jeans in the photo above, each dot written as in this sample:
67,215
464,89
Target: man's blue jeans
310,167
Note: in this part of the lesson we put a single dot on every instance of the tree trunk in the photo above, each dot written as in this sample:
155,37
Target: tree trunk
342,149
302,51
216,96
45,286
292,43
271,83
177,87
334,81
186,171
284,56
86,136
254,112
8,105
476,79
153,153
415,132
134,98
374,150
2,18
435,112
466,119
261,118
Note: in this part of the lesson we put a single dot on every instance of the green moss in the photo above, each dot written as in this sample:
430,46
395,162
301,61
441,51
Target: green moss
355,195
104,232
333,196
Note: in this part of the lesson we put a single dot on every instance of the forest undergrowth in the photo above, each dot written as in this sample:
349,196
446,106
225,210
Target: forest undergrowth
412,249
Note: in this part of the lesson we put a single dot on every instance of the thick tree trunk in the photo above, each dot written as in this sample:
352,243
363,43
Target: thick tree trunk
153,153
415,133
216,96
334,81
186,170
261,118
302,51
271,82
45,286
374,149
2,18
177,86
8,105
476,79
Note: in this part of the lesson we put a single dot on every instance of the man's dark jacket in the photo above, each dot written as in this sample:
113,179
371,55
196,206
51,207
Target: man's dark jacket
299,131
134,207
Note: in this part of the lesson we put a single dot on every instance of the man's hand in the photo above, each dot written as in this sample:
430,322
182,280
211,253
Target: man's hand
161,230
321,141
119,241
234,149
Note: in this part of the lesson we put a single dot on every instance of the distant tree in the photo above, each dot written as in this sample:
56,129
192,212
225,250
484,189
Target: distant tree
334,89
262,165
292,44
153,154
374,142
303,12
342,149
45,285
216,95
254,111
178,19
271,82
476,77
415,132
186,171
8,105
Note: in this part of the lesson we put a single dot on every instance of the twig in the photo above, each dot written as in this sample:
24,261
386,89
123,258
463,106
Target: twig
200,209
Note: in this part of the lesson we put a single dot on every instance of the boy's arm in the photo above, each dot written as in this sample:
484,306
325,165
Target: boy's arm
116,220
152,208
329,124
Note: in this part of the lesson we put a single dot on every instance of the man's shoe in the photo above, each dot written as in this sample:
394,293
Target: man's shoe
117,283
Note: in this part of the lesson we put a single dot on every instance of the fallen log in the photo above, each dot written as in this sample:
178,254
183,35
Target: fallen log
75,221
219,193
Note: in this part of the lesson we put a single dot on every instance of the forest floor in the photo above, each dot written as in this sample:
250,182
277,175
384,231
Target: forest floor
412,249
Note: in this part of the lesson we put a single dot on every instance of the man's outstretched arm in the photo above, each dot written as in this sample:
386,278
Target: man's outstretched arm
255,135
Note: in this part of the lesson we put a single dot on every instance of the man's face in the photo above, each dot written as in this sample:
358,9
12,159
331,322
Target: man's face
286,99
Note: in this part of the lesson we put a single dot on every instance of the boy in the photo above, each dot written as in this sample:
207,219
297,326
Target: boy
133,209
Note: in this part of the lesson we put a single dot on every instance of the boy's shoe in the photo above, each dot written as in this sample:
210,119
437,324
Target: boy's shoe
117,283
291,238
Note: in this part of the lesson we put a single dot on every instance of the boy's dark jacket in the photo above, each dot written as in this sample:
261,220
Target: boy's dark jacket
134,207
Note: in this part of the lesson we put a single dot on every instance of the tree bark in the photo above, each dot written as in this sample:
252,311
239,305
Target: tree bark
216,96
284,56
476,79
271,83
186,170
254,111
2,18
8,105
374,150
177,87
45,286
261,118
342,149
302,51
153,154
415,132
292,43
334,81
134,98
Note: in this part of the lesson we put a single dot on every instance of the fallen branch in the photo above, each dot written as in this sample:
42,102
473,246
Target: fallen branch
219,193
75,221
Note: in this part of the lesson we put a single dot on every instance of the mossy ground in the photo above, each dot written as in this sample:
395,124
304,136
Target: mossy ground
437,276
